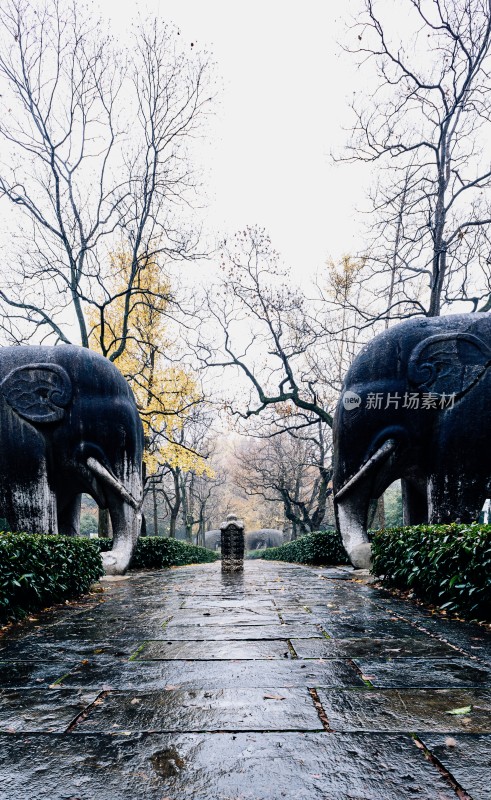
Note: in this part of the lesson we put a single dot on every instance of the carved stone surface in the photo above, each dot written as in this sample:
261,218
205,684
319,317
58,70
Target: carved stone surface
262,538
69,425
254,540
415,406
232,531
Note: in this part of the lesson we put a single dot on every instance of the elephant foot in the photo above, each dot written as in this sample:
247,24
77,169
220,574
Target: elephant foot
115,563
361,556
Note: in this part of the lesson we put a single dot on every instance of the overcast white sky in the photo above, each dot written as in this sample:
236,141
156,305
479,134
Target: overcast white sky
286,89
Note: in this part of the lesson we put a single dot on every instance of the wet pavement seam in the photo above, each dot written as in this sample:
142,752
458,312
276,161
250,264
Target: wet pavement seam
444,772
139,649
320,710
85,712
292,651
440,638
352,663
435,619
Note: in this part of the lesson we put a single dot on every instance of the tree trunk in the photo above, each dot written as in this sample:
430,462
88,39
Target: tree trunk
200,538
155,516
173,522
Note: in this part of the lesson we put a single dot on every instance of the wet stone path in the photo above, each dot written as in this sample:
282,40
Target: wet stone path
284,682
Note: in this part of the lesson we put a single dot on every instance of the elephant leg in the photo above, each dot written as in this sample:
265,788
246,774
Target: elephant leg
454,499
69,517
414,503
30,506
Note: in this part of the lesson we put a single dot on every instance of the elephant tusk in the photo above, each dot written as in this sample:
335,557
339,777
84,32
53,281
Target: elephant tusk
383,452
113,482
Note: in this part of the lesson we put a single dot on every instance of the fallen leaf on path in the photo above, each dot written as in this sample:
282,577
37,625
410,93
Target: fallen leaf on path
273,697
457,711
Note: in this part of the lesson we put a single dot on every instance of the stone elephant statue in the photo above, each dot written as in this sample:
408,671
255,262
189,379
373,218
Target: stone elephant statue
265,537
415,406
69,425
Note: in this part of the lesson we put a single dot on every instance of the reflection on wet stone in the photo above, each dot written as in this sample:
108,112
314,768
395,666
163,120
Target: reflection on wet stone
198,684
167,763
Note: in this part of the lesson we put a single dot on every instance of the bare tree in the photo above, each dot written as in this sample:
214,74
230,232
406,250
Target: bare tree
293,469
429,127
282,357
267,336
95,161
203,491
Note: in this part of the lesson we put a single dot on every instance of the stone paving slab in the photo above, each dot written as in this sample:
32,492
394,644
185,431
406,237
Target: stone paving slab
467,758
298,617
103,673
363,627
407,710
210,633
268,709
249,766
342,573
366,646
32,674
243,603
475,643
66,650
32,710
106,631
210,650
428,673
471,638
214,616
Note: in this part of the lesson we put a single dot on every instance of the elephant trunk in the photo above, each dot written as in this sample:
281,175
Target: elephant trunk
124,501
352,501
351,515
126,523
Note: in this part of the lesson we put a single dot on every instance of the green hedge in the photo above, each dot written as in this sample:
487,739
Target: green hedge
449,565
320,547
155,552
36,571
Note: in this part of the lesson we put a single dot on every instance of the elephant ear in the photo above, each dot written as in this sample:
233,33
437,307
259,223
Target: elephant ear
448,363
38,392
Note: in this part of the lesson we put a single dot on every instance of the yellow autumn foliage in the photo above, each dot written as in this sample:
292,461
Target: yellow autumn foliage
343,277
164,394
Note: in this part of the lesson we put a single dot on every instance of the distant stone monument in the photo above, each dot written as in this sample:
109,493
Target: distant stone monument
263,538
232,536
213,539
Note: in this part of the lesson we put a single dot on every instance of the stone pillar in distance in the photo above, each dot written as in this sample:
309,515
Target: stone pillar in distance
232,537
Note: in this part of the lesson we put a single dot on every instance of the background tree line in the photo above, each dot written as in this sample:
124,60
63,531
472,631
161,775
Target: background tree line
97,169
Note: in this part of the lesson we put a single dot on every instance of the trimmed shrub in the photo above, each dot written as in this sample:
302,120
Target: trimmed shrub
449,565
36,571
318,548
156,552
